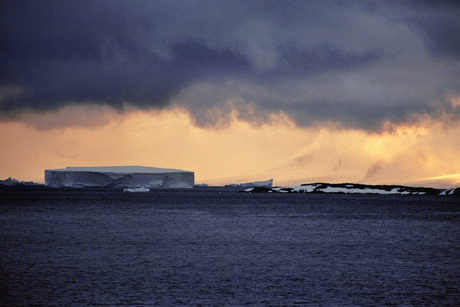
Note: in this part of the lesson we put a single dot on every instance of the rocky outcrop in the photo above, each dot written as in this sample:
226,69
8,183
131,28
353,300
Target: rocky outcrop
451,192
10,182
348,188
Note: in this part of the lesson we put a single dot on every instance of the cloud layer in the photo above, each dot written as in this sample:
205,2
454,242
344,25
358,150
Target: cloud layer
364,65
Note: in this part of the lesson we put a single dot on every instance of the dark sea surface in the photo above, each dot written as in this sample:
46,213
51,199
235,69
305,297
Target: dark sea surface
210,247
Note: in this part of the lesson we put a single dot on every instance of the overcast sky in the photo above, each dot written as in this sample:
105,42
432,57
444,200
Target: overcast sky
352,64
368,67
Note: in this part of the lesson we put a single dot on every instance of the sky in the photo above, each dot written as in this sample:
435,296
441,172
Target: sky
236,91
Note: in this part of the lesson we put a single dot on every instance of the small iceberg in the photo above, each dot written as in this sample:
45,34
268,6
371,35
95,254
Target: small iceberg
137,190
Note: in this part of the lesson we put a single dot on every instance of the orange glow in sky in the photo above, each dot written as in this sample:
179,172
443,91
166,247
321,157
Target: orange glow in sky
238,153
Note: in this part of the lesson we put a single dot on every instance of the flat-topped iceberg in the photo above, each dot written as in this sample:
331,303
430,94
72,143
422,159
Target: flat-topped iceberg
266,184
119,177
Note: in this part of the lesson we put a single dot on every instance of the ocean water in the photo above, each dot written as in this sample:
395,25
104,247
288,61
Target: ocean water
210,247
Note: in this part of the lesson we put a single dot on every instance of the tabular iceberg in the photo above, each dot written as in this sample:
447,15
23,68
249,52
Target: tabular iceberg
119,177
267,184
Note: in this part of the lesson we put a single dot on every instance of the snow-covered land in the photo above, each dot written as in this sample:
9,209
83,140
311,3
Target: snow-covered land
348,188
119,176
451,192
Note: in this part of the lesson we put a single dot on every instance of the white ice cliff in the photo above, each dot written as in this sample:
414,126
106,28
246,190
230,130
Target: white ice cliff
119,177
267,184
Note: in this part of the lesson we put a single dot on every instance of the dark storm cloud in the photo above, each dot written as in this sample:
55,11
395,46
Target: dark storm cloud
358,65
64,53
438,23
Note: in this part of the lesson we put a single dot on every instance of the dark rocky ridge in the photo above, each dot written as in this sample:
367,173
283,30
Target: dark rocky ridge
353,188
10,182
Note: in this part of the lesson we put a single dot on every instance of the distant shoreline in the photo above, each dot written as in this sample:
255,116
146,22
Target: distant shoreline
310,188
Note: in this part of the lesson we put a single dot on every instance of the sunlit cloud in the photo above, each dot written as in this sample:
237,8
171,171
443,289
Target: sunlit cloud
237,152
